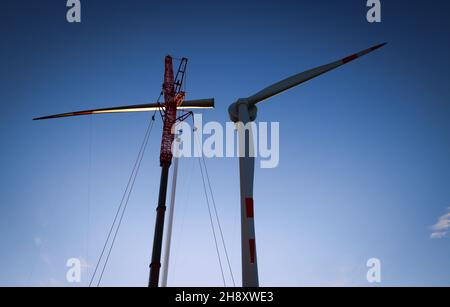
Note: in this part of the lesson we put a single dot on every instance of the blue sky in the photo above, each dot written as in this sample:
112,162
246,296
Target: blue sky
364,155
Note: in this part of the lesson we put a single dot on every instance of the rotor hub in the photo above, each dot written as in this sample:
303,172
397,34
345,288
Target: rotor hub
233,110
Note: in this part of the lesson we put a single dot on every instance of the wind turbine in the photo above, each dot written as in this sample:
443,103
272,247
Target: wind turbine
173,101
244,111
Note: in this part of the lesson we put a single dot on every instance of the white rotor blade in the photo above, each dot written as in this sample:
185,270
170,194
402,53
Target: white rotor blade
198,104
295,80
189,104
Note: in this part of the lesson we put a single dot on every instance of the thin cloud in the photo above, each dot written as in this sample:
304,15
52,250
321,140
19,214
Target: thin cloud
442,228
438,235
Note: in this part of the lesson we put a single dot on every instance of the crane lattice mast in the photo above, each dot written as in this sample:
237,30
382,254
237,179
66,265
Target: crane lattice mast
173,97
173,101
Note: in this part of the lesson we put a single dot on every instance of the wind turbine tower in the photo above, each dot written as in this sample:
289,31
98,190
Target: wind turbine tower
243,111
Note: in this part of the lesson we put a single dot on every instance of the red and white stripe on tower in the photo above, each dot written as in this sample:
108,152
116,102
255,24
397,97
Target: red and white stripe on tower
251,229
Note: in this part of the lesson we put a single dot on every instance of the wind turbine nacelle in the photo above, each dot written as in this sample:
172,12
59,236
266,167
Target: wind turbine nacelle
233,110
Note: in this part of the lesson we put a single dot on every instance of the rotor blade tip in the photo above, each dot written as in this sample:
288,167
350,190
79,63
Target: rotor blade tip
379,46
